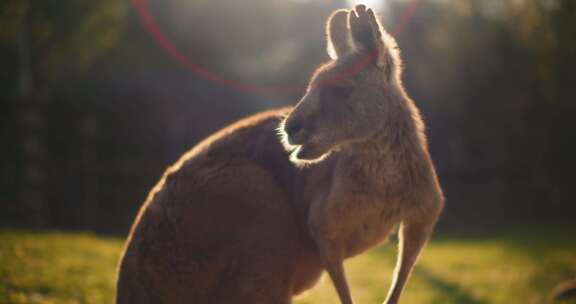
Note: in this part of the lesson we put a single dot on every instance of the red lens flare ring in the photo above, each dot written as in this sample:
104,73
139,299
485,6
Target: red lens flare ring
151,25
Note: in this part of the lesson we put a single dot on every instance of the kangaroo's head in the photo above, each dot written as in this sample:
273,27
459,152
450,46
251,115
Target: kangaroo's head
347,98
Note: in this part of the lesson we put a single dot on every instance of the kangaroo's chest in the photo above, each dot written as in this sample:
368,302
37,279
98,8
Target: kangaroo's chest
359,213
368,222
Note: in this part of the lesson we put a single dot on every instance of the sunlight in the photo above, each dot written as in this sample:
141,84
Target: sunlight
377,5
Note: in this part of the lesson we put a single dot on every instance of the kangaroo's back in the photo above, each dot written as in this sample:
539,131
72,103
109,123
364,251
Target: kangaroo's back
224,207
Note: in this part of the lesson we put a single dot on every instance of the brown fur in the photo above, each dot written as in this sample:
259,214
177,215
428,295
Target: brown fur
237,221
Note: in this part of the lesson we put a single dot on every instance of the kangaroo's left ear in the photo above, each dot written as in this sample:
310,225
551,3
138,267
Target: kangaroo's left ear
369,36
338,34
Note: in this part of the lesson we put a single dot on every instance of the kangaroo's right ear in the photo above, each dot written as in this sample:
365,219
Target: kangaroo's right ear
369,37
338,34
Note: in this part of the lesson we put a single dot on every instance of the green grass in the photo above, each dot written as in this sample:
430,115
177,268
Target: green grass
57,267
521,267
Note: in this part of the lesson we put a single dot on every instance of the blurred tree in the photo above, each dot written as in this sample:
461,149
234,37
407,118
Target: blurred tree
51,39
55,37
98,109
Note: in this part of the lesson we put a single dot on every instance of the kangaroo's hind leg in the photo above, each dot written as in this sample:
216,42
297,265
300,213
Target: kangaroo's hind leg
257,281
261,239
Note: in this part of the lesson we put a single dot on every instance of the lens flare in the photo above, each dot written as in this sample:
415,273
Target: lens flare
151,25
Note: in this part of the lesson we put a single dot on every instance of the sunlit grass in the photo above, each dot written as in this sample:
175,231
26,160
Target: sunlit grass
57,267
511,268
519,267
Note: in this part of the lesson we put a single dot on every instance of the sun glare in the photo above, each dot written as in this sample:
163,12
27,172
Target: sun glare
377,5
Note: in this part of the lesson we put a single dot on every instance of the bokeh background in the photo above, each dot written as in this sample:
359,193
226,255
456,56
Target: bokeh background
95,105
94,108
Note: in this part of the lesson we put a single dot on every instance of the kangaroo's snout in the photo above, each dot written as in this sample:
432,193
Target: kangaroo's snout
296,131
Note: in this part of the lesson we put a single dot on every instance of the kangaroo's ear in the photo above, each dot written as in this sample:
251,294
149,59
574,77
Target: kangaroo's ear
338,34
369,36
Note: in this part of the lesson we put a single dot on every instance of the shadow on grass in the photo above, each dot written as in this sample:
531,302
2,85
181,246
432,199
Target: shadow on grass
447,292
450,292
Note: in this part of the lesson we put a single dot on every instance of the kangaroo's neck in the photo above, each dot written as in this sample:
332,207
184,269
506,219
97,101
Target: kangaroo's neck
401,131
398,147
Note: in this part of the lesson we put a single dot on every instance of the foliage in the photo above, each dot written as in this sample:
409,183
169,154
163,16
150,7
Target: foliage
62,36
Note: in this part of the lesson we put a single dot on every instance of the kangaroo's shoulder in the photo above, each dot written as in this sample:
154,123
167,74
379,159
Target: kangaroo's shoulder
244,134
253,138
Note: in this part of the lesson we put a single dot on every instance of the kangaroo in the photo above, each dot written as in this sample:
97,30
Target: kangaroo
253,216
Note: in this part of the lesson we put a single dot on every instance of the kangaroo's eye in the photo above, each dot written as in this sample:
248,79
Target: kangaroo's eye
338,92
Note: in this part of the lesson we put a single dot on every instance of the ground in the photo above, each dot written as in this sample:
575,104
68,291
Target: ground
513,267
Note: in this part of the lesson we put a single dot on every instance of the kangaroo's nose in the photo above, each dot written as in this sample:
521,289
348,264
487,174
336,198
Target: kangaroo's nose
295,131
293,128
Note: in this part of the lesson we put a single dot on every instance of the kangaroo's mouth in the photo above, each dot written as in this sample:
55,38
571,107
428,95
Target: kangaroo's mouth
308,153
302,149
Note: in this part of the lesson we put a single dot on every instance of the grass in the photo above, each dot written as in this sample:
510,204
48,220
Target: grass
514,267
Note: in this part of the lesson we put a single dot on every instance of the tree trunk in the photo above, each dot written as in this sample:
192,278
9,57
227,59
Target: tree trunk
31,193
